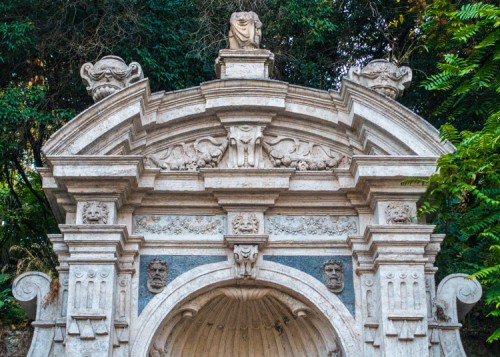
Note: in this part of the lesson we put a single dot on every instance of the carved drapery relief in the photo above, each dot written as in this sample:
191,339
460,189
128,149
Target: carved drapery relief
204,152
383,77
333,275
398,213
246,223
245,146
95,213
157,275
206,225
245,32
292,153
317,225
109,75
245,257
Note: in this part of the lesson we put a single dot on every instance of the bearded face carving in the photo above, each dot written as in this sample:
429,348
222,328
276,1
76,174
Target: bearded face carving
157,275
95,213
245,32
333,275
109,75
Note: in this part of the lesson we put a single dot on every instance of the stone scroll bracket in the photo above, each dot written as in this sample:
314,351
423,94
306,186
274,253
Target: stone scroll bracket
30,289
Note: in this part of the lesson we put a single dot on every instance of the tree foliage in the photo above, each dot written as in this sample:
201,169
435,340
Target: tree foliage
464,195
469,36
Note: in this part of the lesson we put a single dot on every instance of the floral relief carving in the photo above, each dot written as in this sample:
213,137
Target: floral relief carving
95,213
292,153
398,213
208,225
317,225
246,223
204,152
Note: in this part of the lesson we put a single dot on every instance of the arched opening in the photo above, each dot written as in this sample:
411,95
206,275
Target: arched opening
246,322
284,312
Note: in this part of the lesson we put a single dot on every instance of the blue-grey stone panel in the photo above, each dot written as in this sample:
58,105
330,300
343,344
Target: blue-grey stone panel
312,266
177,265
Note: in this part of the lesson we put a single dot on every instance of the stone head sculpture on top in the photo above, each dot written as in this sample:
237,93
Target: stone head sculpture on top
245,32
109,75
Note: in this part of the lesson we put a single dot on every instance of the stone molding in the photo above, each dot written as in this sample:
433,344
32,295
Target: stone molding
353,101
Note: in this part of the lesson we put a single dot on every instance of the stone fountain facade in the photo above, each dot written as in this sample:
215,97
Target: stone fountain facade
244,217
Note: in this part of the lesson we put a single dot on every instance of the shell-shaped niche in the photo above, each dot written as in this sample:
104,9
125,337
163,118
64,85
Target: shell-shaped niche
246,322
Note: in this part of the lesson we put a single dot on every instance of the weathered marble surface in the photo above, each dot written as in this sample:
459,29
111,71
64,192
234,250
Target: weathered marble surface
248,185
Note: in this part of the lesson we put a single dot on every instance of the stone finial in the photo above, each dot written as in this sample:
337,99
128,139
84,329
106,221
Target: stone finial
383,76
109,75
245,32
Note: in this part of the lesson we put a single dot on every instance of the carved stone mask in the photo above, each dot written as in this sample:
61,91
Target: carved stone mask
398,213
157,275
95,213
246,224
333,275
109,75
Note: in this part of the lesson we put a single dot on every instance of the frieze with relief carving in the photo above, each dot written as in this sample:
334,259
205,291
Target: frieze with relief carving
204,152
312,225
156,224
293,153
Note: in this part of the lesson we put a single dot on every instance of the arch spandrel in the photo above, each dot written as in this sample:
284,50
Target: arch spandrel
329,316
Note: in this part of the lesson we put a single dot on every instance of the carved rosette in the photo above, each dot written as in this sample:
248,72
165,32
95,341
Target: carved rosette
383,76
245,257
109,75
95,213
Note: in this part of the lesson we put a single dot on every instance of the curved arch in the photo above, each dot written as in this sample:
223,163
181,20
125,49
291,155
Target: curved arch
129,121
202,278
